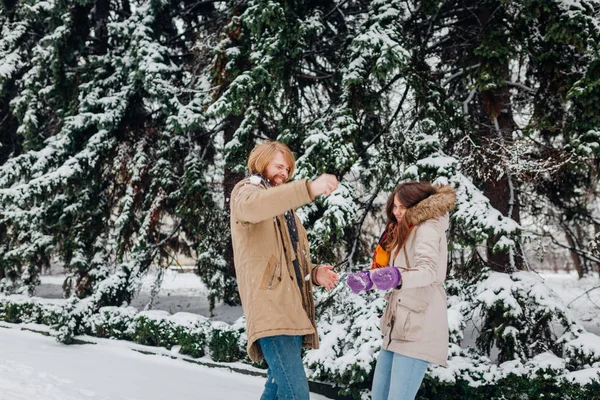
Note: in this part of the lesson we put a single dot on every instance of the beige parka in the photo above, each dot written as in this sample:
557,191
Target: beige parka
271,297
415,321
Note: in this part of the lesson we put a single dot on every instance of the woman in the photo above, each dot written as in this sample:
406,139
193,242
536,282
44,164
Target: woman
415,321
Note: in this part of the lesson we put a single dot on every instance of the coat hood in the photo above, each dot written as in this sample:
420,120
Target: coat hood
435,206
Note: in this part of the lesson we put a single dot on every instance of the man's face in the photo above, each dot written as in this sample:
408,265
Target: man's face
278,170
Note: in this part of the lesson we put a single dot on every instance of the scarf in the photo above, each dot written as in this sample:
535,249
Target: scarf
381,257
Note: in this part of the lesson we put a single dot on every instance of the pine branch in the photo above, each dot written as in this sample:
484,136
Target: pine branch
389,124
460,73
583,254
390,83
336,8
368,206
165,240
521,86
583,294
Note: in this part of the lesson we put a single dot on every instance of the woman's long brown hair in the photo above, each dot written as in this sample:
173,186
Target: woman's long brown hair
409,194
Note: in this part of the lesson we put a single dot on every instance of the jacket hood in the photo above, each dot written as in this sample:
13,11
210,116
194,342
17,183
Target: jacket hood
435,206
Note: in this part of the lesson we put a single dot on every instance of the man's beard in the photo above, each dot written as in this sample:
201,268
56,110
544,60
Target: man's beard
275,180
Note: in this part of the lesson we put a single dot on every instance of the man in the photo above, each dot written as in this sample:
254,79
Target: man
272,263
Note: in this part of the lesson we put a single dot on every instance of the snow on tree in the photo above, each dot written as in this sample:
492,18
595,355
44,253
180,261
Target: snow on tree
107,133
125,125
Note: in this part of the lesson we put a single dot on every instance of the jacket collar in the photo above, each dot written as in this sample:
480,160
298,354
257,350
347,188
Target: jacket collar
436,205
258,180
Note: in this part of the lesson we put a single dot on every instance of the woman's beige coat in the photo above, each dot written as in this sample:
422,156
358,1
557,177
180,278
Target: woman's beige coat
415,321
271,298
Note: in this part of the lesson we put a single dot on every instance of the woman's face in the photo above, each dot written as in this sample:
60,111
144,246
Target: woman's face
399,209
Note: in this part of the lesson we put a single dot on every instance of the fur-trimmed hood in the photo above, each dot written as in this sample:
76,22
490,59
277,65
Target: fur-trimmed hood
436,205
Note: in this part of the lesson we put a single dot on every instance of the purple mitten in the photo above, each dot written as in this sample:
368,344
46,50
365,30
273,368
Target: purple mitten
386,278
359,281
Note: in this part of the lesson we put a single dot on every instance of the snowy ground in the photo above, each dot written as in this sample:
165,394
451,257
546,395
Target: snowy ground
581,296
33,366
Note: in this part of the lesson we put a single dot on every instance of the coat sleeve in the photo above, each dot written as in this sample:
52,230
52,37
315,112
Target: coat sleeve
254,204
425,270
313,274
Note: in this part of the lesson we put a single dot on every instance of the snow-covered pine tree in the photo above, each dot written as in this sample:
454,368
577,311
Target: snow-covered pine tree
480,72
319,76
564,69
269,69
111,178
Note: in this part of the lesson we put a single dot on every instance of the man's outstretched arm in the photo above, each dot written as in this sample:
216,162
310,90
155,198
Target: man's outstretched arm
252,203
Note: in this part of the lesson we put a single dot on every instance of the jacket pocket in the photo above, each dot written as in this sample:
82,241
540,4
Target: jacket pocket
409,319
386,318
272,275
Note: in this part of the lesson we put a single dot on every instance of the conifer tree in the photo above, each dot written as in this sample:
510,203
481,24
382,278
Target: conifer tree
113,172
125,125
480,71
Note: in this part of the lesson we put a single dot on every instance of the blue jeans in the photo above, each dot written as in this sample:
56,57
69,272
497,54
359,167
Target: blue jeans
286,379
397,377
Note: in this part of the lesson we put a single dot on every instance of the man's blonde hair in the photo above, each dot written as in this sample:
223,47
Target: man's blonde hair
262,154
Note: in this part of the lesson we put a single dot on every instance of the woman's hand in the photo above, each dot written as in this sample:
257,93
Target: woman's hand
326,277
386,278
359,281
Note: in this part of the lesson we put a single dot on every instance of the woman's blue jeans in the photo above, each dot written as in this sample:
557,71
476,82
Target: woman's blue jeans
397,377
286,379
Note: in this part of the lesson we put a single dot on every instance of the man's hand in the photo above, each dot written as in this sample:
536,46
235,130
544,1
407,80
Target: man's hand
323,185
326,277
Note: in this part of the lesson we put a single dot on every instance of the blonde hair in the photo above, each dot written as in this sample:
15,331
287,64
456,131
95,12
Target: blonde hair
262,154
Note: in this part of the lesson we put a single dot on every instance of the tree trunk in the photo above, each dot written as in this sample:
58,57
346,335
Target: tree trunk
501,188
579,266
9,141
101,19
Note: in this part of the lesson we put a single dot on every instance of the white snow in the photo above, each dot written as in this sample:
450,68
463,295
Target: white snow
584,376
184,295
33,366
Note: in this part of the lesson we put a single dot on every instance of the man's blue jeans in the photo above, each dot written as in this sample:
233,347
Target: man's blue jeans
286,379
397,377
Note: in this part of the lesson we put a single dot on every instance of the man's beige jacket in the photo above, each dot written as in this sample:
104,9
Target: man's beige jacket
271,298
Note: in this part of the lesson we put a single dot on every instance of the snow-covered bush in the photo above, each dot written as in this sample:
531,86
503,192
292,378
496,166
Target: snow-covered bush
224,343
518,315
582,349
113,322
542,383
350,341
153,328
24,309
